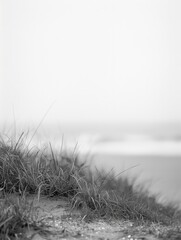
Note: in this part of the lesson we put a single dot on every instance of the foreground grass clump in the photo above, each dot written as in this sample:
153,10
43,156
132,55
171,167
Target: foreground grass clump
16,215
36,171
96,193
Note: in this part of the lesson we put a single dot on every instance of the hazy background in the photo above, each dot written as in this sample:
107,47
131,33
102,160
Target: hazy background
100,61
105,73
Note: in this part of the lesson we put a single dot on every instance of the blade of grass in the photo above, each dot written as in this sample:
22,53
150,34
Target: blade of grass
40,123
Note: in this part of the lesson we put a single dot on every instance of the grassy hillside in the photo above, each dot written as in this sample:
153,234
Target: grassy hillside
97,194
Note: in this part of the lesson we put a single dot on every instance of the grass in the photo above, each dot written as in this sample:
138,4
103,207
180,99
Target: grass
16,215
98,194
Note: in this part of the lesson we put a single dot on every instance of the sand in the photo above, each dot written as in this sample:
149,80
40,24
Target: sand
65,224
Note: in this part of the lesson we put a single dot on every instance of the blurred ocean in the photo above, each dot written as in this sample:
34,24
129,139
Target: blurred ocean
156,163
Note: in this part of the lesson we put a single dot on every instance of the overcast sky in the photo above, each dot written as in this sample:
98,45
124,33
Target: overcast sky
97,60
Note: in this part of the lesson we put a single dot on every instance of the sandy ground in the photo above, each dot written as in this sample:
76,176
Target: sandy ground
65,225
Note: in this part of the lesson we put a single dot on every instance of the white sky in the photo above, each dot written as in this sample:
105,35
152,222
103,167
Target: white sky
111,61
